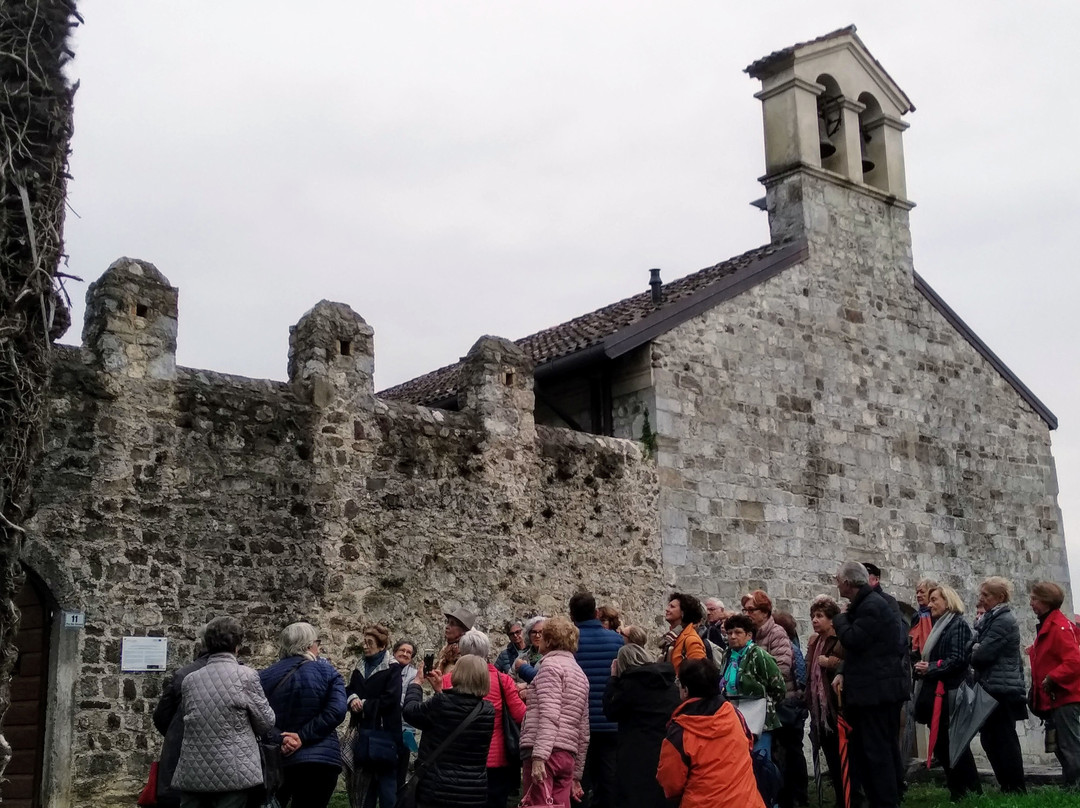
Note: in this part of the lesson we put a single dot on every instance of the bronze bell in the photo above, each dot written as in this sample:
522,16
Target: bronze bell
824,144
867,163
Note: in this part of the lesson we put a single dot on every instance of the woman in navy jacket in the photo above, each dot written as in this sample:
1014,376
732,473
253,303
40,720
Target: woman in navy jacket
308,698
998,666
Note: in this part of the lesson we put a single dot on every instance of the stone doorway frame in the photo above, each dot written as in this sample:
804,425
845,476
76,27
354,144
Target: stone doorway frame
58,592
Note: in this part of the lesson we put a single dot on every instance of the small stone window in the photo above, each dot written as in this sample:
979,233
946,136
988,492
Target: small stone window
345,346
508,378
141,310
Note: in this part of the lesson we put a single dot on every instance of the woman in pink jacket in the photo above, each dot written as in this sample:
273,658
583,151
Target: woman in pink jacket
769,635
555,736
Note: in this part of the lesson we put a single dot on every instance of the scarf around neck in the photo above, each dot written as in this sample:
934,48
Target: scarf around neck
935,634
375,663
822,713
731,672
931,641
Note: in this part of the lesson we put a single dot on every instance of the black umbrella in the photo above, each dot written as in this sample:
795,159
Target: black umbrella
970,708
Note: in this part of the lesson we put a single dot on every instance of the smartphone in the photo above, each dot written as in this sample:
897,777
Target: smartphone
429,661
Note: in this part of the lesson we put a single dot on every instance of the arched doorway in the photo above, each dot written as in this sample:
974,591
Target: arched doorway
24,722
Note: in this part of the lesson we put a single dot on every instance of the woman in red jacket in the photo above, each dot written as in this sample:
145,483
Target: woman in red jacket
1055,675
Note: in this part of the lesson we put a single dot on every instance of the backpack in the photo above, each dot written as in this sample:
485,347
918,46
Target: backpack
713,652
767,775
798,667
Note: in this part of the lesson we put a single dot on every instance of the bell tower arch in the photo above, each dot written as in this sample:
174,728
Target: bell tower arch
829,105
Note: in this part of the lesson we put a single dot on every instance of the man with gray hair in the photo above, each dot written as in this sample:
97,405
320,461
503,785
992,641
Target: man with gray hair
715,615
873,685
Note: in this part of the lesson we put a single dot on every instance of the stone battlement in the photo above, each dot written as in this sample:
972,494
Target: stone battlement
168,495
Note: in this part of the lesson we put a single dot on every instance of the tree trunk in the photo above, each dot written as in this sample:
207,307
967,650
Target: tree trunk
35,130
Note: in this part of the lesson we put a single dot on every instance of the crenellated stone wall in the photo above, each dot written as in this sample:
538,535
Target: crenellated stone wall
168,497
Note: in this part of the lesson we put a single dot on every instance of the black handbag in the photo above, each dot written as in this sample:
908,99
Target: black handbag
792,712
273,767
511,731
924,702
270,751
406,796
375,748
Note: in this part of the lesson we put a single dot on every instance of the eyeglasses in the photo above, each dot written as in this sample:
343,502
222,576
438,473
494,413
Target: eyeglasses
748,609
514,633
536,632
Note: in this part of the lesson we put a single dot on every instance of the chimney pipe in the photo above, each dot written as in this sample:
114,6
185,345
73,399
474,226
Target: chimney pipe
657,287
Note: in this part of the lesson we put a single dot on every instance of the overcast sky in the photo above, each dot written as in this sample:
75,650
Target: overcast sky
458,169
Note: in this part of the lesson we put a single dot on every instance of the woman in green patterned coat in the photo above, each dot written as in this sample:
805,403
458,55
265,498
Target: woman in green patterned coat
749,672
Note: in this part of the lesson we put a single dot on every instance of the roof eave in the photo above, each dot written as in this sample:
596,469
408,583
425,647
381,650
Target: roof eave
668,317
983,349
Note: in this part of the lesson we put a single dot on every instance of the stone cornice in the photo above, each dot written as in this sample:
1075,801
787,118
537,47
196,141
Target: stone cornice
793,82
771,179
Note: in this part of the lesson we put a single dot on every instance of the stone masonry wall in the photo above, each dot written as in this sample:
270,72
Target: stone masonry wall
171,496
831,413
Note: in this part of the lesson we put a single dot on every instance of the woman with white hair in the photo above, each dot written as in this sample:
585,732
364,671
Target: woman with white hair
525,666
308,698
503,770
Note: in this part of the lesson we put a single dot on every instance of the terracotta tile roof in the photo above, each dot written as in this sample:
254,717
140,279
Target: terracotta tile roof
585,331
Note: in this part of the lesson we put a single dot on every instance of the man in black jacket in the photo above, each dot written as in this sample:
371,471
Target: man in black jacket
873,685
873,572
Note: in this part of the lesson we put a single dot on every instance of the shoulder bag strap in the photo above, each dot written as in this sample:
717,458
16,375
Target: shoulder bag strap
502,694
472,716
286,678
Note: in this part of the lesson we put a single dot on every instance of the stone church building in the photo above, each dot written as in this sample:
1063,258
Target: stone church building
750,425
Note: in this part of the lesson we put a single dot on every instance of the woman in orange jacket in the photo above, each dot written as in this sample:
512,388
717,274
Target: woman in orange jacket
705,757
682,642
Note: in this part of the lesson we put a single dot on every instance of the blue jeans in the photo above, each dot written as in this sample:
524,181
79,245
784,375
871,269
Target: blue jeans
384,788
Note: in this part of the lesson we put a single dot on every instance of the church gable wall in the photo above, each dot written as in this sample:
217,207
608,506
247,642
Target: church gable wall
832,413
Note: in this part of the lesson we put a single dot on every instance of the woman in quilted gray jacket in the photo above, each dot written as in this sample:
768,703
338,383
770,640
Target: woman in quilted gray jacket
224,711
998,666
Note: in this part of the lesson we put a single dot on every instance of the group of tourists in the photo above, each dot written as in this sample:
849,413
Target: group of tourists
582,710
